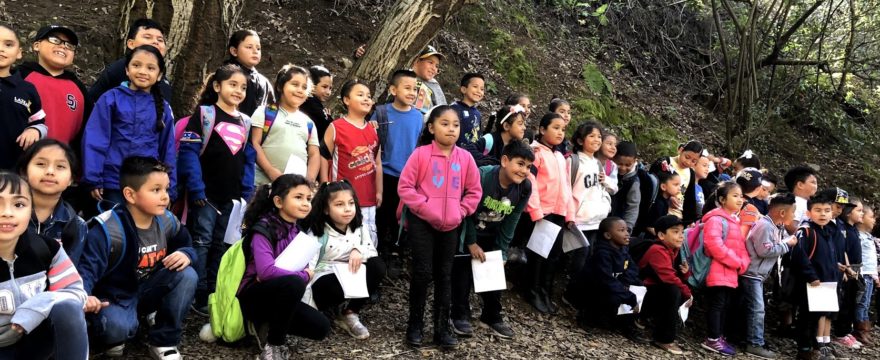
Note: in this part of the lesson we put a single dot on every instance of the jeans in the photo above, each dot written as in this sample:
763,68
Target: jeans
661,305
862,313
61,336
718,298
463,280
753,307
277,302
328,293
168,293
208,228
432,256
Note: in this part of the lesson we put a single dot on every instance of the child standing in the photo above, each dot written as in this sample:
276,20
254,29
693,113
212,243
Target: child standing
244,50
727,250
506,191
279,131
336,220
436,205
766,242
132,119
49,167
589,184
472,89
149,271
606,159
684,204
43,315
803,183
20,110
271,297
551,200
141,32
510,127
749,180
701,171
669,188
869,276
848,220
217,166
626,202
322,88
357,157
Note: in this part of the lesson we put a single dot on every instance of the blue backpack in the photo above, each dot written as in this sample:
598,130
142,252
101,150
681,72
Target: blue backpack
114,232
693,249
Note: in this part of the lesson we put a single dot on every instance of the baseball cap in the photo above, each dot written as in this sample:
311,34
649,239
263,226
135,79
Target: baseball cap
44,32
429,51
665,222
842,197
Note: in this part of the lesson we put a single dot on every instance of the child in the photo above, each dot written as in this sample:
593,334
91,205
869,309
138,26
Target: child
336,221
848,221
147,272
869,276
803,183
429,93
279,131
749,180
524,102
436,206
603,284
244,50
766,242
472,88
271,297
510,127
813,261
141,32
669,188
62,95
625,203
22,113
747,160
42,315
49,167
506,191
322,88
606,157
701,171
217,166
357,156
684,204
665,273
563,108
589,184
552,201
729,256
132,119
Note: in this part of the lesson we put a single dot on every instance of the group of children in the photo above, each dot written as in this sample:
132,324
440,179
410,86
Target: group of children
413,171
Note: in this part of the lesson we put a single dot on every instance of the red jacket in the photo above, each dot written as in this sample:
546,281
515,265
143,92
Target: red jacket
730,258
661,259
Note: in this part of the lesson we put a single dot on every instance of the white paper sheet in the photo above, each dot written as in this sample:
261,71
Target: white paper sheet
489,275
823,298
354,285
295,165
233,228
543,237
573,239
297,255
640,292
683,311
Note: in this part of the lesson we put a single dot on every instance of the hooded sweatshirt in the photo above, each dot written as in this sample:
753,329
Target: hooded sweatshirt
625,203
552,191
592,201
729,255
765,246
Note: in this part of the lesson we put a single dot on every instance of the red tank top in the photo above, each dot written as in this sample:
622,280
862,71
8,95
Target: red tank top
354,158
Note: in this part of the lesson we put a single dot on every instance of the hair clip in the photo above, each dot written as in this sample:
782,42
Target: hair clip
321,68
747,154
515,109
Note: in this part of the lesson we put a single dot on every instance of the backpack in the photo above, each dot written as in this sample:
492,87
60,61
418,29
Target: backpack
208,115
382,123
693,249
227,320
114,232
271,113
575,164
489,141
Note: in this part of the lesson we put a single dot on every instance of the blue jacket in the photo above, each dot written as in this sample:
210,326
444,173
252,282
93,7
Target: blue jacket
123,124
820,242
121,285
471,120
190,169
605,279
65,227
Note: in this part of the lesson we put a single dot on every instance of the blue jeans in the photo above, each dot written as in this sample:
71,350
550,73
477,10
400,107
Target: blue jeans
208,228
61,336
753,303
168,293
865,301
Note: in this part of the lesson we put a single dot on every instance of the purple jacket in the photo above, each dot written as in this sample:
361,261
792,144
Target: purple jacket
261,265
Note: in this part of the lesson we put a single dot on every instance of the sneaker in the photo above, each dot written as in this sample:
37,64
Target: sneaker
261,334
151,319
200,310
414,336
115,351
274,352
719,346
847,342
855,341
499,329
461,328
825,353
164,353
760,352
351,323
635,336
671,348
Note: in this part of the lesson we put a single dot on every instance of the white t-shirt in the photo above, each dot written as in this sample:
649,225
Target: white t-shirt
289,135
800,210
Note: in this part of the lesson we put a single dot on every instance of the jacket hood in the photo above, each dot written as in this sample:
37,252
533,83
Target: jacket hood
720,212
31,66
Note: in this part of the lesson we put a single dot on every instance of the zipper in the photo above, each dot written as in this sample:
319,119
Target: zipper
16,292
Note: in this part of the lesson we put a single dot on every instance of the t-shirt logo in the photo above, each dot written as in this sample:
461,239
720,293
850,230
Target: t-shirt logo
23,102
72,103
7,302
233,136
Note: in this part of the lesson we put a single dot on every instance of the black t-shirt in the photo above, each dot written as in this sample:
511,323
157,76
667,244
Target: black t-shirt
222,170
495,205
314,109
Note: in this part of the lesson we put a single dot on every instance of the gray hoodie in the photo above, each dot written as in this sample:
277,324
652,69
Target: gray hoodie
765,246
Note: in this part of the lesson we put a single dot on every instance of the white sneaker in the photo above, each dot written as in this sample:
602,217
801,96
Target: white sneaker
274,352
352,324
116,351
165,353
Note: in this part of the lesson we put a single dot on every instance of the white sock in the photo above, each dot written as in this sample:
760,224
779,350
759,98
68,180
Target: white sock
820,340
827,339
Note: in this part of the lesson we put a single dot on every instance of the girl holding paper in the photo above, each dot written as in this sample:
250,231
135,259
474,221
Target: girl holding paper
336,221
271,295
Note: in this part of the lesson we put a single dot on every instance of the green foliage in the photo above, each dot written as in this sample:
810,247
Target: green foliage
654,136
510,60
596,81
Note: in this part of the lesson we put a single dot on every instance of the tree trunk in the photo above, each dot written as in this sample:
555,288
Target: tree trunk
193,51
408,27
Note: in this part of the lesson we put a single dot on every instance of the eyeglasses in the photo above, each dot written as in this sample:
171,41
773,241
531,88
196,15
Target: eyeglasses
57,41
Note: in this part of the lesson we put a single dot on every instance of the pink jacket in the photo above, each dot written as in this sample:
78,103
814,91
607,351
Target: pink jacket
729,256
438,189
553,195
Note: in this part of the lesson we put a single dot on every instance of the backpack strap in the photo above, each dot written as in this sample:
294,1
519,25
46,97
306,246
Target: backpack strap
489,141
812,235
382,124
575,164
309,126
323,241
111,224
168,224
208,117
41,249
270,113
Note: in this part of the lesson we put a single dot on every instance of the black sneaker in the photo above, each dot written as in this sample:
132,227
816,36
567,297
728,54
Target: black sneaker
445,340
461,328
500,329
200,310
414,336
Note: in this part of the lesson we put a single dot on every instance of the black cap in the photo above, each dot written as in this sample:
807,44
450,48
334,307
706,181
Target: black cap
665,222
431,51
44,32
749,178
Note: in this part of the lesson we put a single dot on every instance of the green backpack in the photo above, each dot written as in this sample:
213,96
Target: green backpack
227,320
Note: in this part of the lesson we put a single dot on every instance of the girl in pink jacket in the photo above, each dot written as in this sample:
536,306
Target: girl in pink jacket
724,243
440,186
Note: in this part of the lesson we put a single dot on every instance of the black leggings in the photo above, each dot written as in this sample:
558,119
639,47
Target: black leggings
718,298
278,302
328,292
432,254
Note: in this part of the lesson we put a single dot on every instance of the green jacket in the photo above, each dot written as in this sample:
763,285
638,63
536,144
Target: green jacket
491,186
